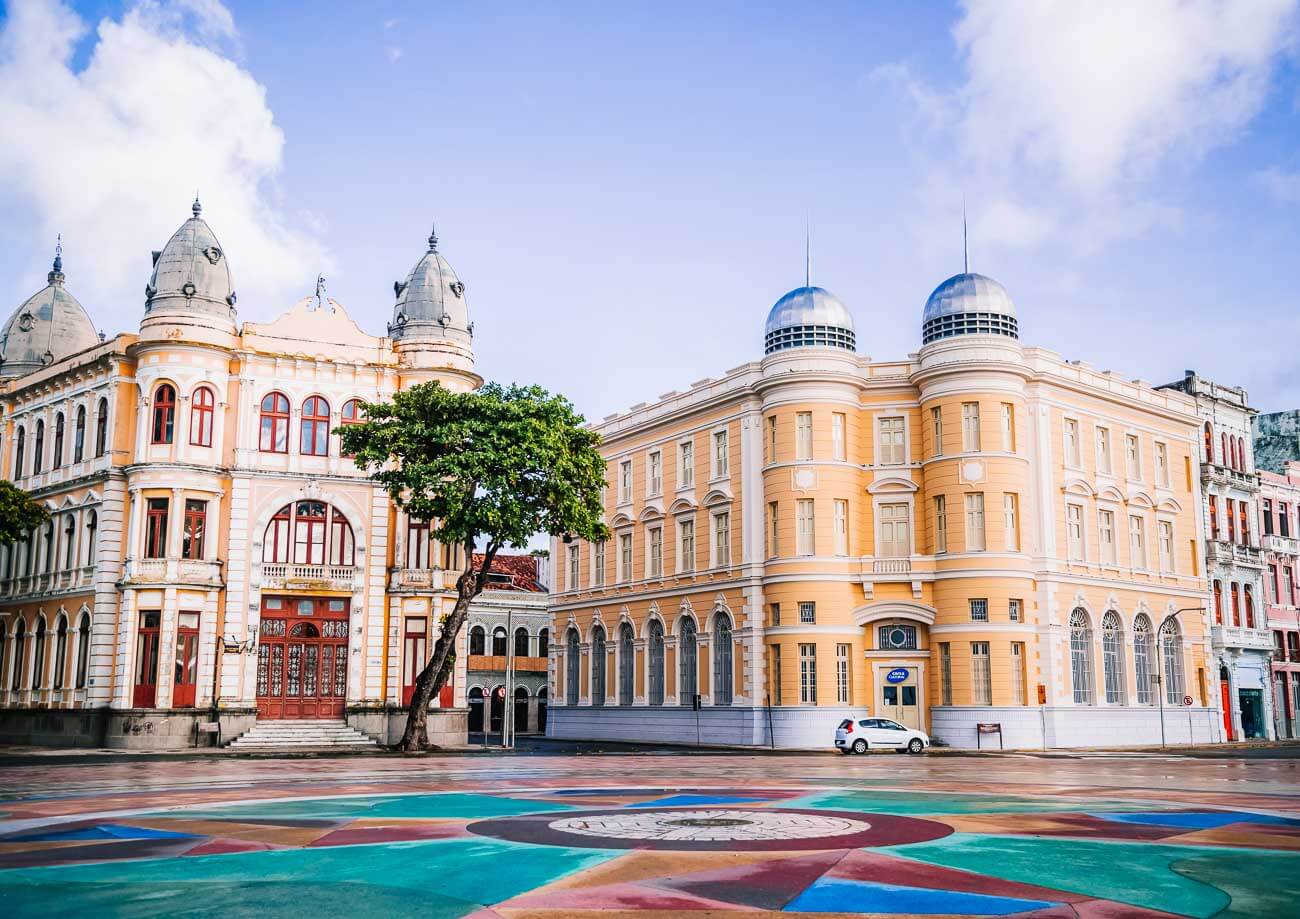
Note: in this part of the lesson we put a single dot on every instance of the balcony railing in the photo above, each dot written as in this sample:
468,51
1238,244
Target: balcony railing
1226,553
331,577
47,582
1213,472
416,578
172,571
1231,636
892,566
1282,545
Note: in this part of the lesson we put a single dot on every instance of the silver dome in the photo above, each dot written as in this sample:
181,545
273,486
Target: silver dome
431,301
191,272
809,317
969,304
50,326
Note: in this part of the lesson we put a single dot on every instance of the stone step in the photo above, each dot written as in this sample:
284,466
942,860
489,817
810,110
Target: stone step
323,734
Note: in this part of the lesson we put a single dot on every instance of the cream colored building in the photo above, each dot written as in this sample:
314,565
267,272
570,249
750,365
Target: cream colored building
211,554
980,533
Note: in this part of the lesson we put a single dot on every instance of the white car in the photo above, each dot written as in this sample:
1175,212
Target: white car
876,734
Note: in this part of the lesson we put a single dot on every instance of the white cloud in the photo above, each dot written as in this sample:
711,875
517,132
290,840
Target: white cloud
1283,187
112,155
394,55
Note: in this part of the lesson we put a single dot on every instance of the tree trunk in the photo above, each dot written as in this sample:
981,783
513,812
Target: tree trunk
435,673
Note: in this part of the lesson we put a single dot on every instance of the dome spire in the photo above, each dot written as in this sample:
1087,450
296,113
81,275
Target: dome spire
965,251
433,237
196,208
807,254
56,275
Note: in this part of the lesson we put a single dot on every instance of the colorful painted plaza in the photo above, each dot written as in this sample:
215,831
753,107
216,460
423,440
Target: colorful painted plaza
544,837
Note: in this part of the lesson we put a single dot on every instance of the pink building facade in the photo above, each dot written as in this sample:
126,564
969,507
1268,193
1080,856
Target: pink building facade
1280,537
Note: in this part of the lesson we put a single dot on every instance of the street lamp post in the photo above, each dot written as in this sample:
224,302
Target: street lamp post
507,722
1158,676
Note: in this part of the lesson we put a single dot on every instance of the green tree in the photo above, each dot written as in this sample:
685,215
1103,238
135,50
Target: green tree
489,468
19,514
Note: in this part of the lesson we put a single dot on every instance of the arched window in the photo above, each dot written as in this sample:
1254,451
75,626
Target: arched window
571,664
1144,655
499,642
60,651
1250,606
598,665
101,428
1209,443
1236,604
477,640
1218,603
723,672
83,650
1081,657
1112,657
655,648
521,642
20,655
70,543
626,665
57,459
20,447
687,664
315,439
544,643
92,529
49,546
308,533
1224,458
202,409
351,413
79,436
1241,453
164,414
38,450
1171,653
38,655
273,434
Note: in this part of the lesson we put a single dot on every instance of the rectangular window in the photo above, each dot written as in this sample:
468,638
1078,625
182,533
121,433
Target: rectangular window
838,450
721,455
804,523
1132,457
654,474
775,610
655,540
196,524
842,674
598,563
1273,585
981,679
721,540
841,527
1230,512
686,465
936,430
1008,427
895,531
1162,465
1267,508
155,539
979,610
892,449
625,482
970,427
1011,521
1103,451
1106,524
975,522
808,674
572,582
1137,543
1284,520
1015,610
773,542
776,674
417,543
624,557
771,438
1074,531
807,612
1018,672
686,545
1071,433
1166,546
803,436
945,673
940,524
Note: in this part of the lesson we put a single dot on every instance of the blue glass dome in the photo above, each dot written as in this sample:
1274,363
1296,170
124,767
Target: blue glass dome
969,304
809,317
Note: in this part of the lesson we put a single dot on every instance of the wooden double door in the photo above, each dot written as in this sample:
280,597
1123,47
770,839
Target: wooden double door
302,658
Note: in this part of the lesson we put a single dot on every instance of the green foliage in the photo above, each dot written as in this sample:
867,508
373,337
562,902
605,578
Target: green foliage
493,466
19,514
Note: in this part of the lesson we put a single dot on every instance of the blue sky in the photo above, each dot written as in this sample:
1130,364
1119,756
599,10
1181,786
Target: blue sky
623,188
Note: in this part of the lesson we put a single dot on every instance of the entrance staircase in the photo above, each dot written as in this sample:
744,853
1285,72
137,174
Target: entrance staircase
302,736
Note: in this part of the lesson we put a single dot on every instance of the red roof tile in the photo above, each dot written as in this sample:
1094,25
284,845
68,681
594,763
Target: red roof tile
521,568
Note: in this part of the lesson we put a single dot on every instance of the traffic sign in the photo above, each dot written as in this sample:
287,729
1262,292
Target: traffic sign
1187,700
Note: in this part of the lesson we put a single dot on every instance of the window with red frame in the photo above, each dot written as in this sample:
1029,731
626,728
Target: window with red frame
1209,443
308,533
1232,519
1245,523
1236,605
351,414
273,436
1223,450
417,544
201,413
155,534
164,413
315,427
1218,603
1214,517
1241,453
1250,607
196,524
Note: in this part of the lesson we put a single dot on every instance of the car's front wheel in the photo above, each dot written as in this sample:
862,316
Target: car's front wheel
859,746
915,745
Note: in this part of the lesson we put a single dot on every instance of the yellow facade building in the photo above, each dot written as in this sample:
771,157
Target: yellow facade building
983,533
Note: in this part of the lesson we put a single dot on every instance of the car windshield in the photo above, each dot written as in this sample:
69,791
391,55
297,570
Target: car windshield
846,723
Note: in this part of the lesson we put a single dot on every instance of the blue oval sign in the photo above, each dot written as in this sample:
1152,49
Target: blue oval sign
897,675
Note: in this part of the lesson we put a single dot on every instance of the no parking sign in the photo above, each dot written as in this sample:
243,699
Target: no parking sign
1187,700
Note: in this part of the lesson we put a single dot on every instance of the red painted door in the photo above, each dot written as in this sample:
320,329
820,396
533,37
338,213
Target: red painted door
1227,709
414,655
146,662
302,658
187,661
